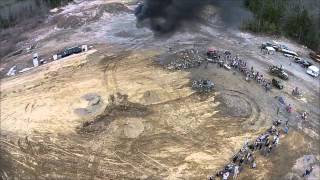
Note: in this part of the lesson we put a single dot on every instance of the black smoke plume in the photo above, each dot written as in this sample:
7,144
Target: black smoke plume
164,16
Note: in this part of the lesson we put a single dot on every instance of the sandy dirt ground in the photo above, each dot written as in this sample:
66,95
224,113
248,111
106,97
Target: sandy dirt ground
115,112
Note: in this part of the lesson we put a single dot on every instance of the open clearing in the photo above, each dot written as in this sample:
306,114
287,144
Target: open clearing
115,112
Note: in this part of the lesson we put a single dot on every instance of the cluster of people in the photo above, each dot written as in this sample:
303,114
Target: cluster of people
241,65
268,140
265,143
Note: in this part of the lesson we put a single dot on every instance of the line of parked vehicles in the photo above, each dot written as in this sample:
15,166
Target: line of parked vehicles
312,70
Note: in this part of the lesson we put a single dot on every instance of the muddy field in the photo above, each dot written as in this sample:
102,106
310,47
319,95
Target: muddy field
117,112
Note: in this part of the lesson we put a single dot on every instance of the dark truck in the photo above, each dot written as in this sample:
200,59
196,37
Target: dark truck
69,51
279,72
212,55
277,83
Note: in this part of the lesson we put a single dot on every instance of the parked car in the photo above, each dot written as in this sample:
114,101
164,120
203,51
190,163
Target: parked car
306,64
313,71
265,45
226,66
277,83
298,60
288,55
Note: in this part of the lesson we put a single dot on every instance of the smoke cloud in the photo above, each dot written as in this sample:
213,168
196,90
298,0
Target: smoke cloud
165,16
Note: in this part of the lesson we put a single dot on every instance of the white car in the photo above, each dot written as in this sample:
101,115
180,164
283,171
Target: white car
313,71
288,55
226,66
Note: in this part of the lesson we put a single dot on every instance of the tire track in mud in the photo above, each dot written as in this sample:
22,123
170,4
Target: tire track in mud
190,141
109,77
144,164
112,85
255,109
111,80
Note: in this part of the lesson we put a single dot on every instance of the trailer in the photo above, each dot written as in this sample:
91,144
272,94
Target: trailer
69,51
292,53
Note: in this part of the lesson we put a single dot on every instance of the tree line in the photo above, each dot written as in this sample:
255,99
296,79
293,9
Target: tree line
17,11
292,18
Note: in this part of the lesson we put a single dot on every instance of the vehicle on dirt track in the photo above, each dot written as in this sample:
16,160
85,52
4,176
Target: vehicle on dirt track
277,83
279,72
202,85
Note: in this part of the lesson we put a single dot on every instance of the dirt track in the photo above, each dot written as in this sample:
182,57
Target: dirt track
183,135
163,130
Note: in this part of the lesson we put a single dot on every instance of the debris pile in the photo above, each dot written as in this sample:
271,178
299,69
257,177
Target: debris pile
186,59
118,105
202,85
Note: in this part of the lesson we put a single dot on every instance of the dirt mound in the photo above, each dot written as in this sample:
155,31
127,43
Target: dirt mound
94,104
114,8
118,106
78,19
72,21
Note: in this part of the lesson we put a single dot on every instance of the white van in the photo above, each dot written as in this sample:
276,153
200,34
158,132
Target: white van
313,71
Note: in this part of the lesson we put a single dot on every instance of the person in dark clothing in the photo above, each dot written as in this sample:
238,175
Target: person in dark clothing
277,122
251,147
269,149
267,143
307,171
241,161
235,158
260,145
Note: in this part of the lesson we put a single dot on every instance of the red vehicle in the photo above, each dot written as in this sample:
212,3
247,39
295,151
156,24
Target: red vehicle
213,54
